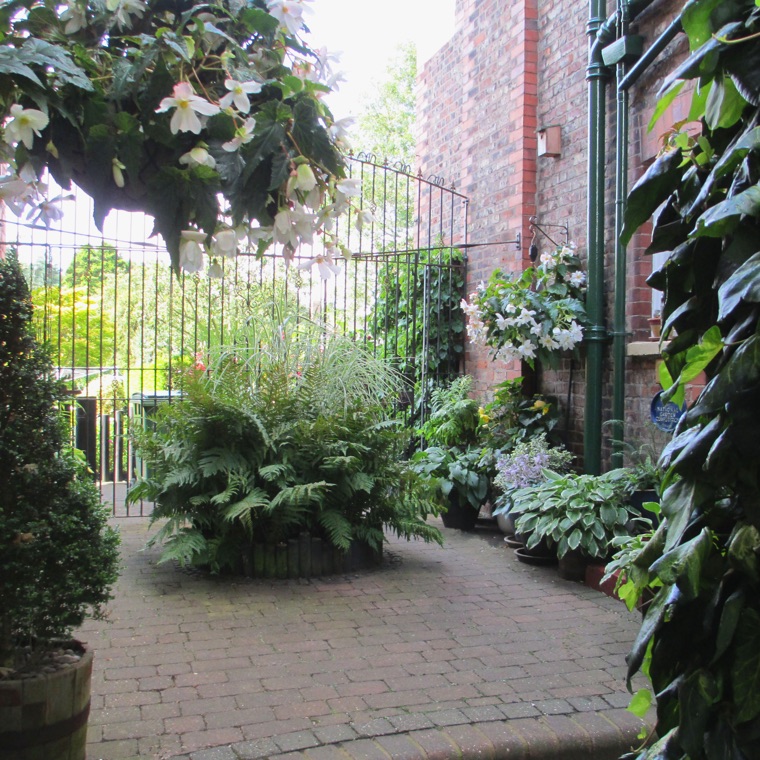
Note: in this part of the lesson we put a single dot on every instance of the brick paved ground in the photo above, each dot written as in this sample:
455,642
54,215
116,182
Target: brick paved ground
447,652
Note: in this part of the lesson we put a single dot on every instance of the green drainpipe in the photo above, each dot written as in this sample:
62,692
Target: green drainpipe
596,334
621,190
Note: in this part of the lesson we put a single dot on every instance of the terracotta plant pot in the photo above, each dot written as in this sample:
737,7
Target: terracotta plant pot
46,716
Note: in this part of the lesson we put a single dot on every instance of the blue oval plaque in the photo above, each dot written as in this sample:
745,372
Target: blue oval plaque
665,414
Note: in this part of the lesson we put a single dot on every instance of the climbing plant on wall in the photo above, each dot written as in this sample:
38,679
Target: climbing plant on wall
699,642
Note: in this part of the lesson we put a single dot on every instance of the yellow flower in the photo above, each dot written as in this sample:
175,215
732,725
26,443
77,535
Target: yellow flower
540,406
484,418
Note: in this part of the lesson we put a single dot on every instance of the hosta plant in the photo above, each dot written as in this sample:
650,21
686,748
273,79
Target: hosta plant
289,438
573,512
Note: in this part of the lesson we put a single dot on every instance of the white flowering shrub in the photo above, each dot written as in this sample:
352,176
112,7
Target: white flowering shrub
531,316
208,117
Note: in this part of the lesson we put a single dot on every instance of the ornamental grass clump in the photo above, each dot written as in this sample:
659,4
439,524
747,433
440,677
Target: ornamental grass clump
58,557
533,315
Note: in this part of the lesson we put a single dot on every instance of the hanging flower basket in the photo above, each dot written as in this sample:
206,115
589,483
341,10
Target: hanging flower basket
535,315
209,118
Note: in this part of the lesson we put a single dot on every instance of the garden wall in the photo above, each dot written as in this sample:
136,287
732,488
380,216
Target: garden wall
510,69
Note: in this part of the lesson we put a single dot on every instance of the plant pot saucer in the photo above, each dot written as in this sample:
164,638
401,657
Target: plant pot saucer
514,543
524,555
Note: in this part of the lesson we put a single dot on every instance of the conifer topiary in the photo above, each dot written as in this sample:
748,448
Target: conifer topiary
58,556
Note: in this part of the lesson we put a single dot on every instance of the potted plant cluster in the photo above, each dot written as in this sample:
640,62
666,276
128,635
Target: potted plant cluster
281,461
452,460
578,515
525,465
58,557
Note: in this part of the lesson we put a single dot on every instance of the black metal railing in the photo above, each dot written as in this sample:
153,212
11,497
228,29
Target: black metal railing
123,328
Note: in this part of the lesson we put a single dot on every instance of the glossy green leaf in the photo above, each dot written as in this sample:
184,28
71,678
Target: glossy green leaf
651,622
729,619
695,20
724,104
743,285
722,219
683,564
743,551
696,696
741,371
745,670
660,179
640,703
664,101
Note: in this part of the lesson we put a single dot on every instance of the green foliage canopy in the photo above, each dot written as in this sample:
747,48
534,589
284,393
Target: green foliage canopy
207,117
700,639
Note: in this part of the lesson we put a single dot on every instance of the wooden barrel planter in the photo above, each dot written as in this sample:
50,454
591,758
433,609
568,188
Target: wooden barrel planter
45,716
309,557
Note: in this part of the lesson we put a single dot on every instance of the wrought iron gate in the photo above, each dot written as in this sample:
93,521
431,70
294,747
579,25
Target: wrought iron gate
123,328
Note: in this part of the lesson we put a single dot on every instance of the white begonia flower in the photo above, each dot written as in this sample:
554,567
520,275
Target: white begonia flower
548,342
238,94
224,243
117,169
48,211
527,350
364,217
123,9
577,279
327,267
525,317
576,332
74,18
191,247
338,130
255,234
215,271
302,179
564,338
242,136
289,13
188,105
293,226
198,156
24,124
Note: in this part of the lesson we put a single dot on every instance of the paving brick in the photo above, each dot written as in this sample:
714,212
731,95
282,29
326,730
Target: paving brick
217,753
296,740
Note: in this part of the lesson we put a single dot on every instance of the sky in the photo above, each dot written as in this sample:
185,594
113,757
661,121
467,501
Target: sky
368,33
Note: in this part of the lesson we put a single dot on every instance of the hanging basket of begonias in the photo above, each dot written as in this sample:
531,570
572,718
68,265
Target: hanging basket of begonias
535,314
209,117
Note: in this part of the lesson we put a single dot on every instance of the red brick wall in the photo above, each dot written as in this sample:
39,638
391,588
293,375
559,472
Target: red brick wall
514,66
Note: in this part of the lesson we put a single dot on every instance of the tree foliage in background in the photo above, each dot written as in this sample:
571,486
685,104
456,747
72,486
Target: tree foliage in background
418,316
700,639
386,124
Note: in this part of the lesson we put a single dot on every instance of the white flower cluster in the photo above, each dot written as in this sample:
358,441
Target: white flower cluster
536,314
310,201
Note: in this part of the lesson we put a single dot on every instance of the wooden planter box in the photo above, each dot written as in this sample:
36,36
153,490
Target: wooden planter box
308,557
46,716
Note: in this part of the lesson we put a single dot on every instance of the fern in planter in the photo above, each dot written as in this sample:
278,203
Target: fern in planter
276,442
